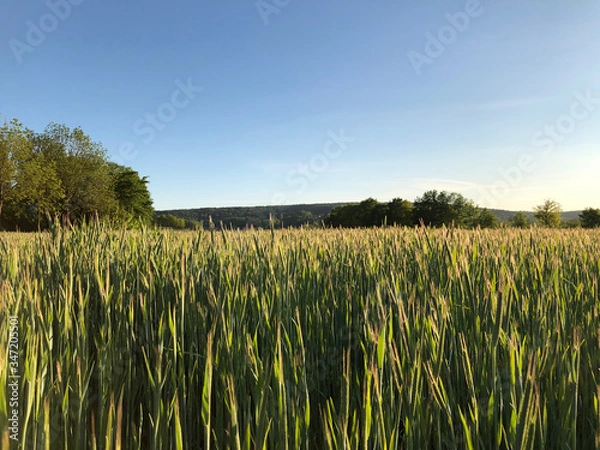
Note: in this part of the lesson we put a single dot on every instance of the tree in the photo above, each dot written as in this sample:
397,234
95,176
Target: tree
38,190
15,146
297,219
346,216
63,172
571,223
131,192
170,221
400,212
368,213
486,219
191,224
548,213
444,208
590,218
520,220
82,169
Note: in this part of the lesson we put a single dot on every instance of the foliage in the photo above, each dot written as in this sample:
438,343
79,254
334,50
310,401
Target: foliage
590,218
132,195
243,217
368,213
520,220
15,151
380,338
435,209
82,169
485,218
170,221
570,223
400,212
62,173
548,214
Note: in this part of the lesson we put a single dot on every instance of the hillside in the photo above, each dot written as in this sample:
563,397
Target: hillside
505,215
290,215
257,216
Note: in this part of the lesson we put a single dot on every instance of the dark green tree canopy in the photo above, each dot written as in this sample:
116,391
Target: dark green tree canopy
368,213
435,209
400,212
485,218
590,218
170,221
520,220
62,173
132,195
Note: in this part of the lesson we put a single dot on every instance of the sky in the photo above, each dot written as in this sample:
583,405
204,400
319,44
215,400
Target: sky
287,101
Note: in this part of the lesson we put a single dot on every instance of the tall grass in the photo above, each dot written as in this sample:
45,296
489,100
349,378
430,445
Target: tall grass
394,338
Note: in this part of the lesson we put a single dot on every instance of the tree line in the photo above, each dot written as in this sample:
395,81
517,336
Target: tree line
61,174
436,209
242,217
238,218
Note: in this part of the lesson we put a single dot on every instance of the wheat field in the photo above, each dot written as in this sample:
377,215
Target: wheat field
302,339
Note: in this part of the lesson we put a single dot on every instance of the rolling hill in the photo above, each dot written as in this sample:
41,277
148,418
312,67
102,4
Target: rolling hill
288,215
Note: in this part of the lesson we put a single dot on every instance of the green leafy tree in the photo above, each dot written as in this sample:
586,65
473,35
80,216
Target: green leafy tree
297,219
400,212
520,220
346,216
82,169
435,209
38,189
131,192
170,221
15,146
368,213
548,214
590,218
485,218
192,224
62,172
571,223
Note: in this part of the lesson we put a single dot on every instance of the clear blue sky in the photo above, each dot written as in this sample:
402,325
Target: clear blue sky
518,83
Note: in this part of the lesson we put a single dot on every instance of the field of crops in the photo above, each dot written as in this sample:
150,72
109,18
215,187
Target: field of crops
303,339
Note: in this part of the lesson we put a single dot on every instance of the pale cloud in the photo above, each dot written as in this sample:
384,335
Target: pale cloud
272,167
509,103
489,105
442,184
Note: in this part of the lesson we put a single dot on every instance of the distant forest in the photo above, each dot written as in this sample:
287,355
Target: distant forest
62,175
246,217
433,208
